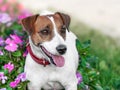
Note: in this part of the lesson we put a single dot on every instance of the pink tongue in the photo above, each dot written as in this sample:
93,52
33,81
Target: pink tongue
58,60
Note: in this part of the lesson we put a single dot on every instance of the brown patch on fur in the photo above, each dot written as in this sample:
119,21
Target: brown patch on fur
41,24
28,23
59,25
65,18
40,28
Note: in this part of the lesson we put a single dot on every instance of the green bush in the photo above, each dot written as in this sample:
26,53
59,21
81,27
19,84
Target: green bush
107,51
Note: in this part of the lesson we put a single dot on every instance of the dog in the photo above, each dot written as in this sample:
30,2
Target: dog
52,58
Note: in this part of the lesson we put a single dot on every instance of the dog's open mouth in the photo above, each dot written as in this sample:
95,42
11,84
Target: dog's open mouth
55,59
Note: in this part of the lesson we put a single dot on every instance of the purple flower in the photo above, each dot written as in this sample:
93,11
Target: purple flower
22,76
2,77
1,41
9,66
13,84
25,53
79,77
1,53
16,39
17,81
4,18
3,89
11,45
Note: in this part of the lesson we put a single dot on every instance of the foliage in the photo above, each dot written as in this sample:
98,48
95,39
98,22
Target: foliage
107,51
13,56
89,74
12,46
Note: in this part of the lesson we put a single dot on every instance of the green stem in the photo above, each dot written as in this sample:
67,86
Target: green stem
10,55
2,29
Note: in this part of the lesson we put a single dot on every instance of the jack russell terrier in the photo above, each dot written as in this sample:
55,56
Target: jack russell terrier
52,58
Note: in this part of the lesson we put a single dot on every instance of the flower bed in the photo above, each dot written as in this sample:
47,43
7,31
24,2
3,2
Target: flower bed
13,52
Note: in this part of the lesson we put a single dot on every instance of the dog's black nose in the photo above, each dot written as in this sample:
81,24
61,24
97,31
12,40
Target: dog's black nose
61,49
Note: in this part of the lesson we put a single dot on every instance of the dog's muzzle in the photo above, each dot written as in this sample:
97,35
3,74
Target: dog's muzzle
61,49
57,60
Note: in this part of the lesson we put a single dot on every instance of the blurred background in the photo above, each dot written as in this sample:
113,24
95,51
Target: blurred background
95,20
100,14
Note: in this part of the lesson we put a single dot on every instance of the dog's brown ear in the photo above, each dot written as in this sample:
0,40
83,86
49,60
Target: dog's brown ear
28,23
65,18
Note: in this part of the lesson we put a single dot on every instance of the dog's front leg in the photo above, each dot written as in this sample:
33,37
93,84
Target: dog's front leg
71,86
33,87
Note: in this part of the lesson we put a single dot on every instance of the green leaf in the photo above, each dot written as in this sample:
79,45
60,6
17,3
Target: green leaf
7,32
78,45
16,26
92,72
9,88
103,65
98,87
86,44
17,54
20,70
82,85
3,58
6,71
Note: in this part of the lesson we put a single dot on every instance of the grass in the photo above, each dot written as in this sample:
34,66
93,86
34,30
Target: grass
108,52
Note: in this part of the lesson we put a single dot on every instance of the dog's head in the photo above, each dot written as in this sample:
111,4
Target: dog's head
48,32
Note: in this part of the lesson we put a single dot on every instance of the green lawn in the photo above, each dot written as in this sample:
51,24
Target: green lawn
108,52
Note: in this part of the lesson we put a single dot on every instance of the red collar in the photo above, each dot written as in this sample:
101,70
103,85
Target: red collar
36,59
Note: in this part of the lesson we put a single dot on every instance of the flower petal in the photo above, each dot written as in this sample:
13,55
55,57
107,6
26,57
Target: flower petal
8,40
16,39
4,17
11,47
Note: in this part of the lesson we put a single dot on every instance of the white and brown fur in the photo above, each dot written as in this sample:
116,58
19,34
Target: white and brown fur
51,77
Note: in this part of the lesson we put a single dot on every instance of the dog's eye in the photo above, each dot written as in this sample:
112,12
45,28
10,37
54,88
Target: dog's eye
45,31
63,29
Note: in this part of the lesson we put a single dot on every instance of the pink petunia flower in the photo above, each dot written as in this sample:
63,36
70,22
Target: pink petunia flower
11,45
13,84
16,39
17,81
3,78
9,66
79,77
20,77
